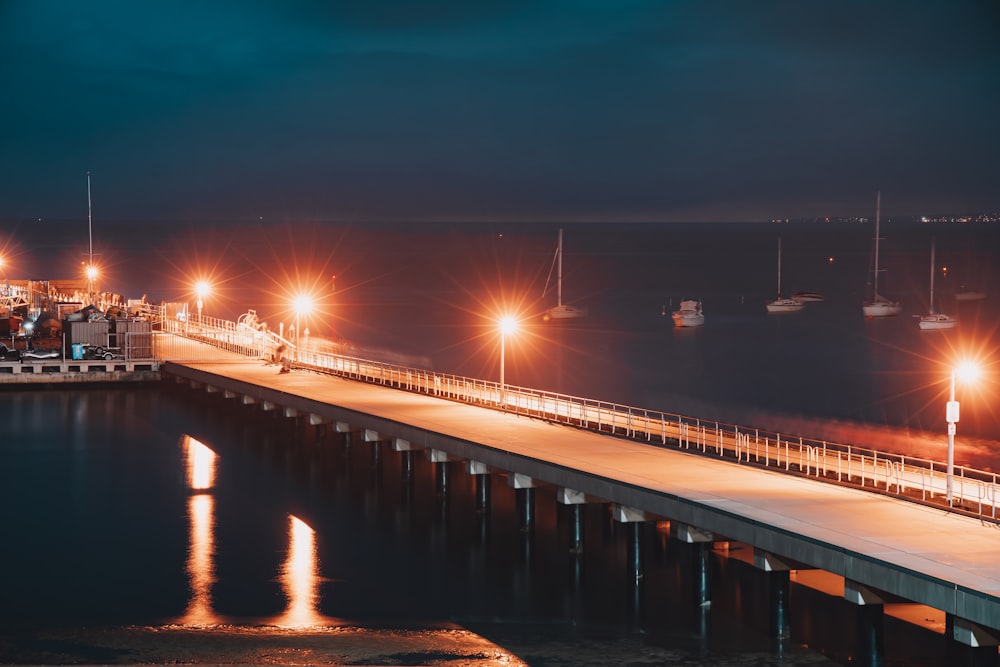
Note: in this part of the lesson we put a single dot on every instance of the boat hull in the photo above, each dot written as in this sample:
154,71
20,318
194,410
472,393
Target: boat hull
882,309
688,320
785,306
937,321
564,312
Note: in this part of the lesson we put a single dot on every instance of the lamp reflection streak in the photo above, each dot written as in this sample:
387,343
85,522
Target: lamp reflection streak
201,463
200,564
299,577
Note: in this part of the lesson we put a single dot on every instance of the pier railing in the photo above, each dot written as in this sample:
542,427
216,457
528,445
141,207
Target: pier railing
975,492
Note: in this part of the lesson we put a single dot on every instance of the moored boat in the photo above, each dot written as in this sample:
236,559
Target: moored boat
689,314
879,306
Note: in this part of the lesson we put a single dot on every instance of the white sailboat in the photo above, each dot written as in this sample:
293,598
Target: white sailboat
879,306
560,311
933,321
783,304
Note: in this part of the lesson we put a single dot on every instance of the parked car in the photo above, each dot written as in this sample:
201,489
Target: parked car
9,353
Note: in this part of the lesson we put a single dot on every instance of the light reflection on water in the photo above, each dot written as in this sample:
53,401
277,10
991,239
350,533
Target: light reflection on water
299,574
300,579
201,565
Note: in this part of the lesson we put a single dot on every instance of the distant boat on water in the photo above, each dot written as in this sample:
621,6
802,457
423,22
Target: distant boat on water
689,314
806,297
783,304
934,321
879,306
560,311
971,295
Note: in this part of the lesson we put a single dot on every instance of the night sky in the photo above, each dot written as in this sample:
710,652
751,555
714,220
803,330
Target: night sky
239,110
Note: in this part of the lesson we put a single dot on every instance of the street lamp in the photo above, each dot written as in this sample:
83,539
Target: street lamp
303,304
967,372
91,275
202,289
508,325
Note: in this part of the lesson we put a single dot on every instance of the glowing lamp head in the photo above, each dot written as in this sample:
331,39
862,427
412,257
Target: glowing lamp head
202,288
508,325
303,304
91,272
967,371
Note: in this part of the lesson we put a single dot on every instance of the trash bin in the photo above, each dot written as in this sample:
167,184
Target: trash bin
77,350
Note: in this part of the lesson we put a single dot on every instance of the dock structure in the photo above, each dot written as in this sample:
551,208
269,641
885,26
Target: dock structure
885,549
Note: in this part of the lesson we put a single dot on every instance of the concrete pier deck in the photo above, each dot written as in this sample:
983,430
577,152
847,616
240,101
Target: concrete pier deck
882,544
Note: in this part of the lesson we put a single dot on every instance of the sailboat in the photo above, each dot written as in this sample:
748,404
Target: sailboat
783,304
560,311
879,306
932,320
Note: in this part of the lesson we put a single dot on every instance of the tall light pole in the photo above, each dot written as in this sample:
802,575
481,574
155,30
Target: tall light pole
91,270
202,288
508,325
967,372
303,304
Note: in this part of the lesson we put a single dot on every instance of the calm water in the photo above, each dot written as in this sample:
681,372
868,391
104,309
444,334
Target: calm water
154,525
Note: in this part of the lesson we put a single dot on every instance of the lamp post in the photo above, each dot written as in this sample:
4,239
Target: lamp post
91,274
202,289
303,304
508,325
967,371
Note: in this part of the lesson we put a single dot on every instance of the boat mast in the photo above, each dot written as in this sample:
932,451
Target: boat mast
878,206
932,277
559,271
779,267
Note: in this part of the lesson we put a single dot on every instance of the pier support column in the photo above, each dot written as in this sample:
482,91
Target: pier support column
440,460
481,471
441,478
871,623
634,519
970,644
702,541
779,585
524,487
407,467
576,500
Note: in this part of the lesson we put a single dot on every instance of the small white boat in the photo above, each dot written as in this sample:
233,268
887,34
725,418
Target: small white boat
689,314
783,304
560,311
934,321
879,306
970,295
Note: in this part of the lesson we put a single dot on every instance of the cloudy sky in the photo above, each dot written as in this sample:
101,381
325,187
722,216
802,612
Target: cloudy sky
497,109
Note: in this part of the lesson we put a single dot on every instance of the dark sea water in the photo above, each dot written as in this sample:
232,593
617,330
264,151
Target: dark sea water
103,531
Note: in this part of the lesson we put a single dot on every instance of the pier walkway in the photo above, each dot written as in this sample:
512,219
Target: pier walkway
886,549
